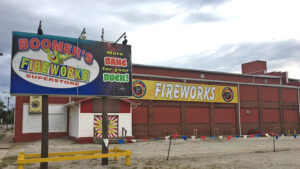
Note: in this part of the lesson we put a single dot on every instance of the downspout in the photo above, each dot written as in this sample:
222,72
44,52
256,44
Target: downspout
299,103
239,106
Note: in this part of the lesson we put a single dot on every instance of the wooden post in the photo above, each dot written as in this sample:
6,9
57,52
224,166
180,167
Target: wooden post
45,129
104,130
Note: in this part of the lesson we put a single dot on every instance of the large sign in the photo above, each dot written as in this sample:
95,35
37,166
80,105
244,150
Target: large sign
175,91
52,65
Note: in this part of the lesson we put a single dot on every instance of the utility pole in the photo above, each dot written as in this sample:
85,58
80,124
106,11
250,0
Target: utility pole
8,104
7,112
104,130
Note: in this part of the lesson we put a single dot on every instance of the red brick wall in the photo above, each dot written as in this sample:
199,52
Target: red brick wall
86,106
290,95
271,115
166,114
248,92
270,94
291,116
224,115
256,67
251,117
197,115
140,115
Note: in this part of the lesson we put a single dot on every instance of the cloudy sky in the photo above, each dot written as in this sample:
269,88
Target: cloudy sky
200,34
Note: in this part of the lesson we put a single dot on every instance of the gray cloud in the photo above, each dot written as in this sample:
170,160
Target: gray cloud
229,58
196,4
202,17
140,17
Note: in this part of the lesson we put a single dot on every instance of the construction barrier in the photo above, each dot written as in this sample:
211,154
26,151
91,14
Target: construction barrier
76,155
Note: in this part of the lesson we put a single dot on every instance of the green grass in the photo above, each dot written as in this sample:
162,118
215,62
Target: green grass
8,161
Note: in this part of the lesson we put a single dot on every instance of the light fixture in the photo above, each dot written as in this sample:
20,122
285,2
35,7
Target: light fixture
40,31
125,40
82,35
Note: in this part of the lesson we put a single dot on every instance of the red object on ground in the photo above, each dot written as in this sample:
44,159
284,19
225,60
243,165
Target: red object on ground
175,135
252,135
228,138
203,137
145,139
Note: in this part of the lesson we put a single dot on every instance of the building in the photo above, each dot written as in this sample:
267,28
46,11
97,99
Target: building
185,101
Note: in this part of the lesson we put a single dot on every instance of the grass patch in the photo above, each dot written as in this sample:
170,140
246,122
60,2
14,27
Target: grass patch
8,161
2,135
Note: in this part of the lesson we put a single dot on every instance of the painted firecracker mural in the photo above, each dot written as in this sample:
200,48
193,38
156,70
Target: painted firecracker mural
112,126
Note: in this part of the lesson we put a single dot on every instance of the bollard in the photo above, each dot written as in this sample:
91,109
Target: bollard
127,160
115,151
21,160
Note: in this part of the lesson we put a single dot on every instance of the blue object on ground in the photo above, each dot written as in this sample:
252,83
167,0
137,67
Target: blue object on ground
121,141
184,137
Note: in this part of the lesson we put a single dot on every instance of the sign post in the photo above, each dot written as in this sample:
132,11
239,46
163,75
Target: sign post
45,130
104,130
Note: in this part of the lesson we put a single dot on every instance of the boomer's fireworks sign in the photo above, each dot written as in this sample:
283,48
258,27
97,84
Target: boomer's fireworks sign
44,64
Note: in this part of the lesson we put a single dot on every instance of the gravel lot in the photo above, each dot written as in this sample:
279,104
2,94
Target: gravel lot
212,154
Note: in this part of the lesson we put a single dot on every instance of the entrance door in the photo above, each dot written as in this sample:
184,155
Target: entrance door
113,124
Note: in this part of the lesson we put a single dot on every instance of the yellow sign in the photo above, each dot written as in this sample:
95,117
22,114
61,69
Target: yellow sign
176,91
35,104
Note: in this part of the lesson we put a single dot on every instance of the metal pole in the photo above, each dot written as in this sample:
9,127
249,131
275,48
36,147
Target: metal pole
102,36
273,143
239,105
298,105
7,113
104,130
169,147
45,129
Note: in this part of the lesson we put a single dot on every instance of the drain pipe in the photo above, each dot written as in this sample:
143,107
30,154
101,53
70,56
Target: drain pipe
299,103
239,106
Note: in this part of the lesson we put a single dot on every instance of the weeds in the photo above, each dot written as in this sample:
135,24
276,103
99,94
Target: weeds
8,161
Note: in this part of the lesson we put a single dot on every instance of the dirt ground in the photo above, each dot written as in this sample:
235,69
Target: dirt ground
209,154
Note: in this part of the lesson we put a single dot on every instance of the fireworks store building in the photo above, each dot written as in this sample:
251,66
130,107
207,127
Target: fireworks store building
174,100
